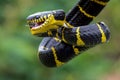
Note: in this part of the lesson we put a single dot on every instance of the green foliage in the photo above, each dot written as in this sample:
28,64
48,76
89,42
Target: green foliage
18,48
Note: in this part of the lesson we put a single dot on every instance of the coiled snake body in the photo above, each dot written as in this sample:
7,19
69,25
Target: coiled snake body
67,35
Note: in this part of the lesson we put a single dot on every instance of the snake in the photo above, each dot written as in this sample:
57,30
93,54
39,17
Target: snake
67,35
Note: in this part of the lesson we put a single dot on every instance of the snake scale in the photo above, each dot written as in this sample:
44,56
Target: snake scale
68,35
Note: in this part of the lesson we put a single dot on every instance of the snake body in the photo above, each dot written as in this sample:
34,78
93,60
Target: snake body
67,35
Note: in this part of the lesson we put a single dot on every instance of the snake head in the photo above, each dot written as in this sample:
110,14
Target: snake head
42,22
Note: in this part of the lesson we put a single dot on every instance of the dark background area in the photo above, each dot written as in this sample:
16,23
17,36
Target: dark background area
18,47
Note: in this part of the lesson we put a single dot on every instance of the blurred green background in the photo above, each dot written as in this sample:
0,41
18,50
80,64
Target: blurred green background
18,47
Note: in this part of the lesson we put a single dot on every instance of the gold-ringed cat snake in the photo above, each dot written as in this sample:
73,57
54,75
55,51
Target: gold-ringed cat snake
67,35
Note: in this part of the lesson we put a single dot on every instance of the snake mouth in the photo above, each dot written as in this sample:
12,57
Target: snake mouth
37,20
35,25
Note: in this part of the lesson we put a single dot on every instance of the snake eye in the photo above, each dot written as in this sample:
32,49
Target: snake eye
37,17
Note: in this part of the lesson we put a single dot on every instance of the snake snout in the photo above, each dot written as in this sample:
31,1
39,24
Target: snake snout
35,20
